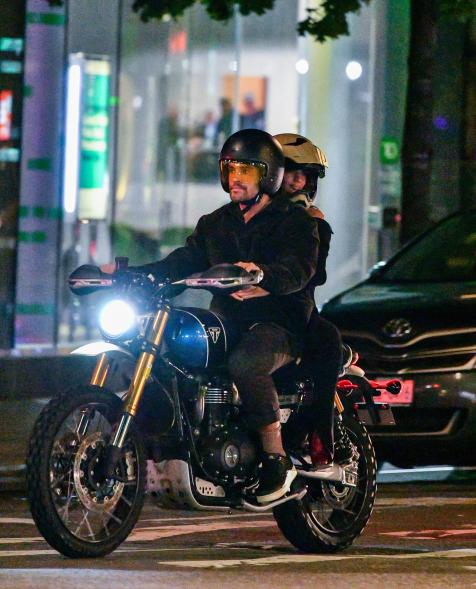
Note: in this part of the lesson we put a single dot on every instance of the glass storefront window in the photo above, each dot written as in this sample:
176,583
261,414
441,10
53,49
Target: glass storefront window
185,85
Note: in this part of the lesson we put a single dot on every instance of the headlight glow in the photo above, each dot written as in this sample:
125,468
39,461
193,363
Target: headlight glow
117,318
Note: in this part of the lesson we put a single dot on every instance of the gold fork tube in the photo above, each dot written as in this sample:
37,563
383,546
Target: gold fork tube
141,374
99,375
145,362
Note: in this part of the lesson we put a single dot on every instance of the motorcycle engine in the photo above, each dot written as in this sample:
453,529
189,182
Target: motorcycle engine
226,449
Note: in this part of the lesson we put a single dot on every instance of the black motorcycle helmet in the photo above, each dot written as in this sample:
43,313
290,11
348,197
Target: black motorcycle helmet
258,148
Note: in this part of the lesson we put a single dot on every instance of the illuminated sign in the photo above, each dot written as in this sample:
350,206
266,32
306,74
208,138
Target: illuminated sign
86,171
6,101
94,141
11,44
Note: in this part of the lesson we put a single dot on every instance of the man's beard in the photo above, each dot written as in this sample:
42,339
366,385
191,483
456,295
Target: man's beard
241,194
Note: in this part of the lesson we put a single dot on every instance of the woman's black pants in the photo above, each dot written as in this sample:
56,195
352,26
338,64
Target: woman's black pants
323,358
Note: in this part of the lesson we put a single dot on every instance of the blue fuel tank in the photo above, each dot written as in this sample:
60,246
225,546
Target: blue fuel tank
198,338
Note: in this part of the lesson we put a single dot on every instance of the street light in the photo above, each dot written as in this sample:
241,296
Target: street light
302,66
353,70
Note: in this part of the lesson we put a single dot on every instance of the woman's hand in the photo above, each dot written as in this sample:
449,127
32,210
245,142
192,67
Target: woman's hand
249,293
315,212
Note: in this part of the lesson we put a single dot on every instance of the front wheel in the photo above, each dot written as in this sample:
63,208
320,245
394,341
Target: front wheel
330,516
79,511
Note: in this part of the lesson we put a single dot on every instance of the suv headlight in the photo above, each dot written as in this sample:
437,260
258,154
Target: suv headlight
118,319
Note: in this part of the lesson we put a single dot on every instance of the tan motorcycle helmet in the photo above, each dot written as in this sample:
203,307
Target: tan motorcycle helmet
300,153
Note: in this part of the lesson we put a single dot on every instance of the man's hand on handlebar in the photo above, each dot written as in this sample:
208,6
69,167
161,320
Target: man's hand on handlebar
250,292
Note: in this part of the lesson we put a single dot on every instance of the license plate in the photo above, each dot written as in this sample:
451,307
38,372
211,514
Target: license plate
404,397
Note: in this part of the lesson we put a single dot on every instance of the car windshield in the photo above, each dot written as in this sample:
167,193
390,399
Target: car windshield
446,254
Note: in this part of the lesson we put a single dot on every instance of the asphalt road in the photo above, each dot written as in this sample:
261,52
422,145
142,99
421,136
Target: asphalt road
420,535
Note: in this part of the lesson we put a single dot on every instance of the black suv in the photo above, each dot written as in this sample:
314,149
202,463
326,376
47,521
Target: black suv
414,318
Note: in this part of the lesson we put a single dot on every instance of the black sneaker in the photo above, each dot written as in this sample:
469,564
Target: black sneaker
344,450
277,474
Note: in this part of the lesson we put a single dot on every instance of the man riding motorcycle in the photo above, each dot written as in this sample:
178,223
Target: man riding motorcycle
305,163
280,241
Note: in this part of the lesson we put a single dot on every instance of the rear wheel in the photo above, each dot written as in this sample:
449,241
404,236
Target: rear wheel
330,516
77,509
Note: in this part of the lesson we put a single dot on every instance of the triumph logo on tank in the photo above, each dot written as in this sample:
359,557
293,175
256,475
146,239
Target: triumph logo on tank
214,333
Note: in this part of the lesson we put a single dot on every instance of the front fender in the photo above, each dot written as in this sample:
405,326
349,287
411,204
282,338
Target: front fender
100,347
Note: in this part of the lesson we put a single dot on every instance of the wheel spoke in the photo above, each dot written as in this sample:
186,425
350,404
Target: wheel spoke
348,511
59,479
114,517
85,521
104,524
126,501
76,532
65,508
331,525
88,525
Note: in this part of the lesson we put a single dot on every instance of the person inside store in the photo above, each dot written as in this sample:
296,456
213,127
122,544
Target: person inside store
273,237
225,121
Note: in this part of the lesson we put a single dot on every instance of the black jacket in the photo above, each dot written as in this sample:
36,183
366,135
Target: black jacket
325,234
281,239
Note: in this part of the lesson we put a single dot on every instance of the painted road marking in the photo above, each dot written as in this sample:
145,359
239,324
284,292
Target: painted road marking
47,551
266,561
20,540
312,558
379,503
214,517
410,502
156,520
430,534
16,520
27,553
159,532
149,534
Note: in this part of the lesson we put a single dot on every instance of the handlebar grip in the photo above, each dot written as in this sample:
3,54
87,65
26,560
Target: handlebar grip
259,274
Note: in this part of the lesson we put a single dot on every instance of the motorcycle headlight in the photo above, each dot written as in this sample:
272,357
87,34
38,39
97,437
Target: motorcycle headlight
118,319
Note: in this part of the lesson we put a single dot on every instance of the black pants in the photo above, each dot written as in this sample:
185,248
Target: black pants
261,351
323,358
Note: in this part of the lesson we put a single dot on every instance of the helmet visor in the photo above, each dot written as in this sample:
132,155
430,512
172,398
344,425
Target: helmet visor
249,172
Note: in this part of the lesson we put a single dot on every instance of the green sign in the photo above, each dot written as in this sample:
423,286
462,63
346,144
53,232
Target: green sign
389,150
94,141
11,44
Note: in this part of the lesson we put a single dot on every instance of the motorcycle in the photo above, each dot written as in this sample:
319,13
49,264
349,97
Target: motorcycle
178,432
